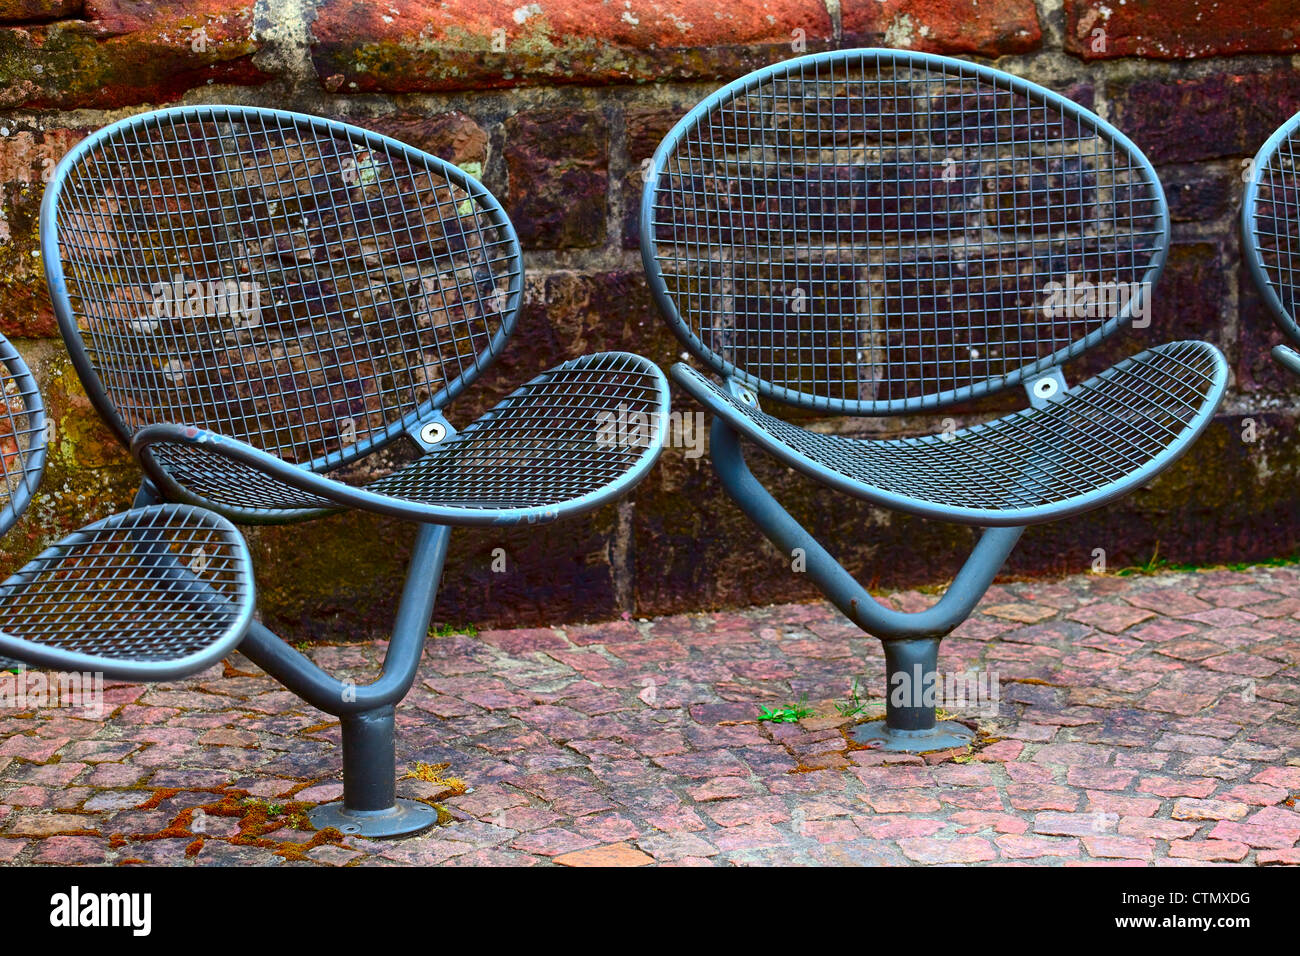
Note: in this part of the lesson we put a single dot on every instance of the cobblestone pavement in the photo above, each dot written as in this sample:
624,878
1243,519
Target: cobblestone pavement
1142,720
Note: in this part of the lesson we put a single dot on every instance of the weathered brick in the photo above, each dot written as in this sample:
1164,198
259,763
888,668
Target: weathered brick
452,136
1119,848
613,854
1196,194
28,156
558,163
122,52
1179,29
1257,334
646,128
1208,850
1223,114
967,849
1192,809
465,44
14,11
981,27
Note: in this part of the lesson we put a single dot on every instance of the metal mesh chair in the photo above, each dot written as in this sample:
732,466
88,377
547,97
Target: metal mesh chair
155,593
1271,233
256,299
872,232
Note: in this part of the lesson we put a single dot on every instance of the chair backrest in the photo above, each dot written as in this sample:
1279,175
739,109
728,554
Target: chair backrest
300,284
22,435
876,231
1271,225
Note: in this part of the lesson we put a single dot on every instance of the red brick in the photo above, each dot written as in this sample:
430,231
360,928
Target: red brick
968,849
121,53
614,854
1074,824
432,45
1037,796
1018,847
1288,777
1100,778
1256,835
982,27
16,11
48,824
451,136
1209,850
901,801
646,127
1155,829
1110,617
27,159
1103,802
1179,29
1122,848
1274,857
1191,809
1206,117
558,162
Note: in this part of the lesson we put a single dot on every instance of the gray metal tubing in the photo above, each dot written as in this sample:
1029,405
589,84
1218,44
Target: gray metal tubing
300,675
838,585
905,657
369,760
1287,357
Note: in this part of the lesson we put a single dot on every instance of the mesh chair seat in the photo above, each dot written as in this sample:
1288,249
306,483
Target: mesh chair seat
150,594
1097,441
558,445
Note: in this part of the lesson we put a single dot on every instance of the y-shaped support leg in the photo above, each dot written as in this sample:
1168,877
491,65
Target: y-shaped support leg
369,806
911,640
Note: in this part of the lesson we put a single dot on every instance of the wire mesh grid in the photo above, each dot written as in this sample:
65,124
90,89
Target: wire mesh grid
568,433
1276,225
22,434
152,584
291,282
866,231
1095,434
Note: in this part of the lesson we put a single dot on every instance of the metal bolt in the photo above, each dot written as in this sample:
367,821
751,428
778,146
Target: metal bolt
433,432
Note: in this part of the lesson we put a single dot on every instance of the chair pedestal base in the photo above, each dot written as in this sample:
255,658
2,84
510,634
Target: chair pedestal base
404,818
370,807
913,691
944,735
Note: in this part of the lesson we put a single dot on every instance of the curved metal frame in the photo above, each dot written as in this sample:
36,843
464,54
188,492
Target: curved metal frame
33,458
1030,90
911,640
1289,324
54,276
369,806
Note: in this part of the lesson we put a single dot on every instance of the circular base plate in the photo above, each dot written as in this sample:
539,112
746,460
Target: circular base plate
945,735
406,818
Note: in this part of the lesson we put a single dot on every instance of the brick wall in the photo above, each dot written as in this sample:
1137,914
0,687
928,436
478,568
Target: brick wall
558,102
